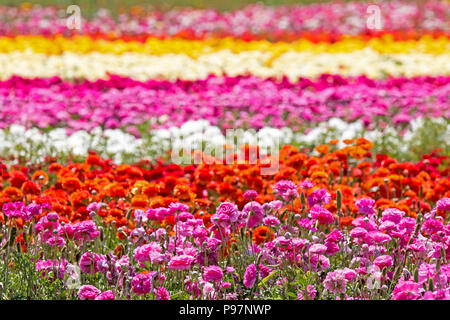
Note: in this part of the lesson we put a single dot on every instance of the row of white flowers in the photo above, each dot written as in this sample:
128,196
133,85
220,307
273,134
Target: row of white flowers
292,64
33,144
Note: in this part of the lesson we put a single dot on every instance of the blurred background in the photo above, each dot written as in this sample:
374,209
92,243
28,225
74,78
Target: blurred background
116,6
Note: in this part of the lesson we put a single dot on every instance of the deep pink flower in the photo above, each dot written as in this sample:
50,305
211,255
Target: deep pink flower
321,214
142,283
250,276
250,195
212,273
255,212
335,282
319,197
271,221
149,252
162,294
306,184
378,237
384,261
407,290
392,214
286,189
443,204
366,206
181,262
317,249
88,292
86,231
106,295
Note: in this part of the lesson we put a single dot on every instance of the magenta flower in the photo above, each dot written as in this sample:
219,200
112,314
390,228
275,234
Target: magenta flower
407,290
86,231
106,295
142,283
162,294
366,206
91,263
306,184
250,195
358,232
321,214
392,214
149,252
443,204
212,273
250,276
319,196
88,292
377,237
286,189
384,261
57,267
255,212
334,236
271,221
336,282
176,207
14,209
317,249
226,213
181,262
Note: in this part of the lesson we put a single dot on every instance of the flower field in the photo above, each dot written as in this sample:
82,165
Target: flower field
315,155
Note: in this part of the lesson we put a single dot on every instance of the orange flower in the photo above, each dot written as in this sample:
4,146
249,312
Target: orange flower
94,160
297,160
322,149
139,202
348,141
334,142
364,143
262,234
40,176
183,192
13,193
54,167
17,178
115,190
29,187
71,184
151,190
346,221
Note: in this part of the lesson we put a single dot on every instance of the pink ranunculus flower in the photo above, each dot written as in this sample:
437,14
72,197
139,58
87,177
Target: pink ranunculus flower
181,262
443,204
142,283
88,292
212,274
366,206
317,249
162,294
271,221
319,197
250,195
286,189
336,282
255,212
106,295
321,214
407,290
384,261
250,276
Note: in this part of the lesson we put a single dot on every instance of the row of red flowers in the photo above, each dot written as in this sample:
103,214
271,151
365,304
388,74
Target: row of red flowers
410,187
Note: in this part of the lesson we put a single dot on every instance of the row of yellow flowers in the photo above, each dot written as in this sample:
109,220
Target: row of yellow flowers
194,48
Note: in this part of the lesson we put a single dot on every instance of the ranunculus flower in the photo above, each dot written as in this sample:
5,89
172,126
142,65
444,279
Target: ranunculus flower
384,261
